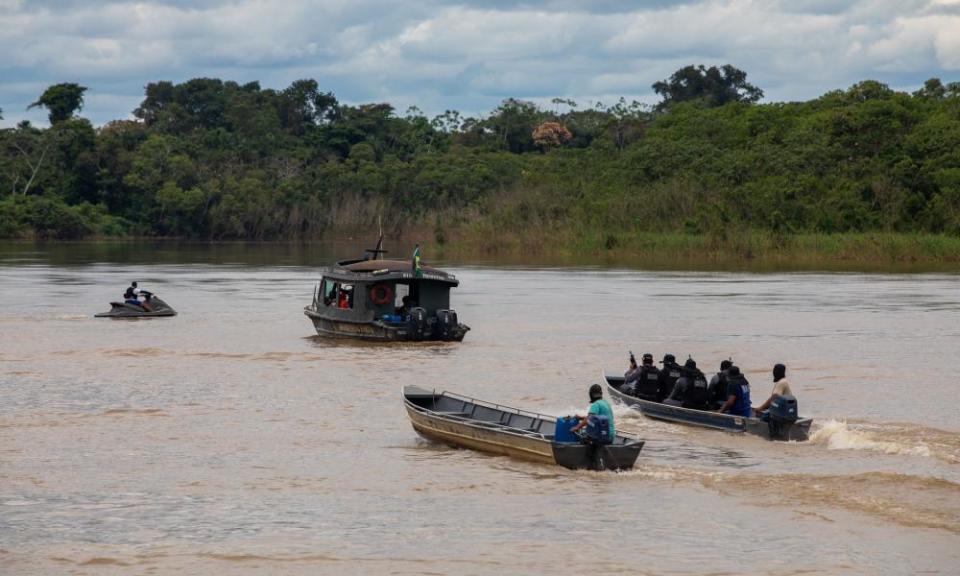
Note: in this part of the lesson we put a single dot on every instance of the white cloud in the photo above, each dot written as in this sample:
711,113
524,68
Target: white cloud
465,54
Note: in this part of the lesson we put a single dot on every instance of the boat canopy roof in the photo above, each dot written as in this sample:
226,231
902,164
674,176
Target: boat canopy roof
379,270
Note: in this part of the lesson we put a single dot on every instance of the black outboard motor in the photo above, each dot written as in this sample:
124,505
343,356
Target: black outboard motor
447,324
782,415
419,328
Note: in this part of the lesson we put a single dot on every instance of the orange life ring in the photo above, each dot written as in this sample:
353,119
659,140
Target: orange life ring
381,294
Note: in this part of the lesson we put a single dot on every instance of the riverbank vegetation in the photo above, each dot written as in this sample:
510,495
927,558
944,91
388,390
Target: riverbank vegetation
864,172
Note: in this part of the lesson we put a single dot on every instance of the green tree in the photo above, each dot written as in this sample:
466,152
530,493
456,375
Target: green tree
513,123
303,105
61,101
712,86
933,89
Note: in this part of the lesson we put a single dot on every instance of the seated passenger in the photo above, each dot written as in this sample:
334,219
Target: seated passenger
630,377
691,387
668,376
648,382
718,384
407,304
780,387
738,394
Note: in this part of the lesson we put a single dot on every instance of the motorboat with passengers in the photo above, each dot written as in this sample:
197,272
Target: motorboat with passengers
150,307
387,300
781,422
469,423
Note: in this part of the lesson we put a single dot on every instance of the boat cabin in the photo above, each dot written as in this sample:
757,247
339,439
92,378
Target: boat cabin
383,288
385,294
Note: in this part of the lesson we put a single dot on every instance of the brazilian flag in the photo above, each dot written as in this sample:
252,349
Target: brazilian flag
416,262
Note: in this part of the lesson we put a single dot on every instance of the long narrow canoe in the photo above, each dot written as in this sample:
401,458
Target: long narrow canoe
797,431
469,423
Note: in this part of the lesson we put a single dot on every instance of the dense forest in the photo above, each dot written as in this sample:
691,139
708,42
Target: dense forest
215,159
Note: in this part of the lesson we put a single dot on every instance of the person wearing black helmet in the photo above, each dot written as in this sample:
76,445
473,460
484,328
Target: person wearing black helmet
690,391
780,387
599,410
669,375
738,394
718,384
648,380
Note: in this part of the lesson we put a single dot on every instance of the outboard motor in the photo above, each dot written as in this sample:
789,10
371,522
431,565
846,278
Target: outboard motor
598,429
782,415
447,324
419,329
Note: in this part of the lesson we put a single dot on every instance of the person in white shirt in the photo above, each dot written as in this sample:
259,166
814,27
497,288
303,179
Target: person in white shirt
781,387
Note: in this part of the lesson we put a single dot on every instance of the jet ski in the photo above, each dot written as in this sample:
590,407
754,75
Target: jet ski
155,307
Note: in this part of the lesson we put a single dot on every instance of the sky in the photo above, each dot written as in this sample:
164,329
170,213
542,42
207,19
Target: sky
465,55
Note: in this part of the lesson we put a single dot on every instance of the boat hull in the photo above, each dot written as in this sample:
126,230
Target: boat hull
373,330
477,438
494,435
798,431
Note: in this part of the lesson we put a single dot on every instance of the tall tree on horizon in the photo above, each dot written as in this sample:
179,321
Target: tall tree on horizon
713,86
61,101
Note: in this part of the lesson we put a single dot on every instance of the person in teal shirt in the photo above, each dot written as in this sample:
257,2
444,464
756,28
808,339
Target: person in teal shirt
598,407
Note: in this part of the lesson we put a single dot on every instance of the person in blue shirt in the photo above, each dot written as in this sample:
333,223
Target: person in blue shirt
738,394
598,407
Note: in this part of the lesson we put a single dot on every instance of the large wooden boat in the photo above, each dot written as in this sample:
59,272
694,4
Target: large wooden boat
375,299
773,429
466,422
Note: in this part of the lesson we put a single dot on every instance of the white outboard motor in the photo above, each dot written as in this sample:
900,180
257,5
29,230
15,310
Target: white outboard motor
782,415
447,324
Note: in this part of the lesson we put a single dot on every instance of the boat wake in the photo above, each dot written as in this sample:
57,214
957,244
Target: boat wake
903,499
904,440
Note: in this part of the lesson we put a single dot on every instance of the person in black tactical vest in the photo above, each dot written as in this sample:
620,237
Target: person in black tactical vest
648,381
691,388
717,388
132,296
694,391
669,375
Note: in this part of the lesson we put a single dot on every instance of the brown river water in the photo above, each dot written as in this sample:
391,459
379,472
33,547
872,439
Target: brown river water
232,440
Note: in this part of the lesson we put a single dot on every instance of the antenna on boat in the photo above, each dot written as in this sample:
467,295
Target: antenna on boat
376,253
